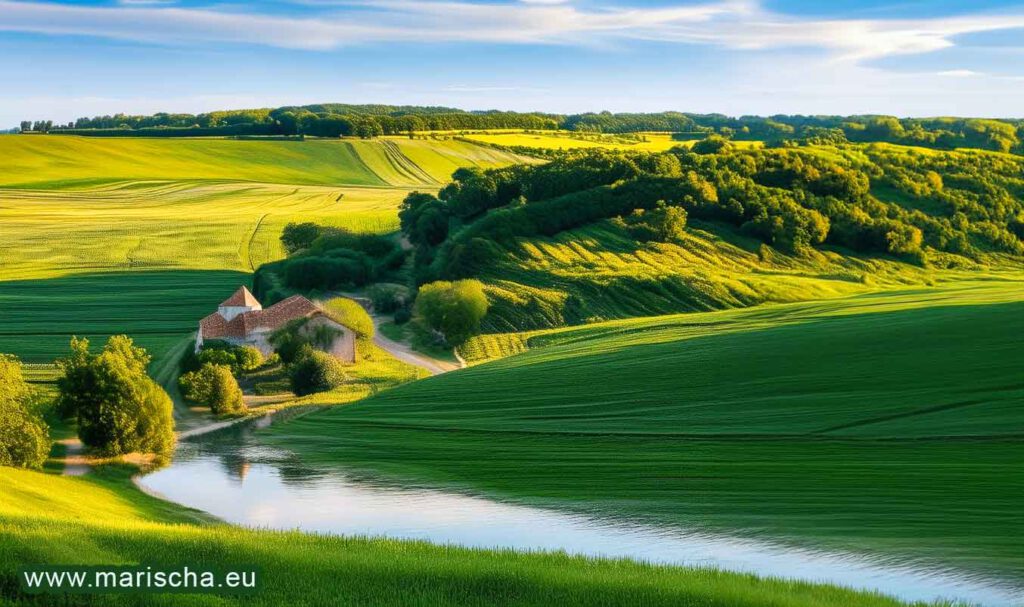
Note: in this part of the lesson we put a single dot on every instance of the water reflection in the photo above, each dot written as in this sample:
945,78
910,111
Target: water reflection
231,475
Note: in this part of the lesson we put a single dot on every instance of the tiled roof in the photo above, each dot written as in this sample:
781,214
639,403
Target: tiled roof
241,298
276,316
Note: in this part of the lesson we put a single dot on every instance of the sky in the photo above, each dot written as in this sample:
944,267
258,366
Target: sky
61,60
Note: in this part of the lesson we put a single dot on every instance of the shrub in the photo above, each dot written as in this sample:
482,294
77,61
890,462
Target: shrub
249,358
348,312
315,372
288,340
298,236
402,316
119,409
213,386
454,309
24,438
712,144
217,356
387,298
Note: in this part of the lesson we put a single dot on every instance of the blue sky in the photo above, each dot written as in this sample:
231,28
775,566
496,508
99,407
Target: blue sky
65,59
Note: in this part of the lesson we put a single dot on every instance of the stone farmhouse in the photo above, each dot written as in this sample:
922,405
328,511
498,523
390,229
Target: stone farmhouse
242,320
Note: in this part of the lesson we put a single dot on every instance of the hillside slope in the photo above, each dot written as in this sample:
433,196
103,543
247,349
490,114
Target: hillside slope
840,424
598,235
40,161
146,236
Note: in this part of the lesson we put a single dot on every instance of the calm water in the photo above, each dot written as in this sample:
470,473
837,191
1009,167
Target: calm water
230,475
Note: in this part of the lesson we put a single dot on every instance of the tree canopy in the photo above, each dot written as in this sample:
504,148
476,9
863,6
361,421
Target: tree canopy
119,409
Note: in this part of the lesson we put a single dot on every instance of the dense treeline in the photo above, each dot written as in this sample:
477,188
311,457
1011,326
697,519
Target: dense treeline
334,120
880,201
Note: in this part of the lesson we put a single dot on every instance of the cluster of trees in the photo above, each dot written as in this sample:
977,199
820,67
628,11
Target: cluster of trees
334,120
24,436
789,198
325,258
118,408
209,378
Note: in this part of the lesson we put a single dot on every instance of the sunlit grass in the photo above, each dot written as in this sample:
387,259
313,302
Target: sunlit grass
59,520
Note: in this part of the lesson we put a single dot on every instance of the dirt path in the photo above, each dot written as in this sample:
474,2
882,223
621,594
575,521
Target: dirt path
399,350
75,463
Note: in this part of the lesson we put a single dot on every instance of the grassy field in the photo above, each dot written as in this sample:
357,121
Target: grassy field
146,236
887,423
568,140
62,161
102,519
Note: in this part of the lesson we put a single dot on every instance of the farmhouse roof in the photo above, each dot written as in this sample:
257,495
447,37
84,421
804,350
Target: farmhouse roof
269,319
241,298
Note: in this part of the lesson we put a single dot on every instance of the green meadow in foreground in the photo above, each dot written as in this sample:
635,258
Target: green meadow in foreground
102,519
887,423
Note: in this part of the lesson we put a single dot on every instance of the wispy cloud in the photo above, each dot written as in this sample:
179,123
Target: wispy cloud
959,73
735,24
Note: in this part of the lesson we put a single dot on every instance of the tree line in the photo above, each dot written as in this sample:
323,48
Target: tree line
335,120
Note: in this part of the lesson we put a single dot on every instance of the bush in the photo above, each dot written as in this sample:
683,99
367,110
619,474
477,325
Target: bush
402,316
213,386
298,236
712,144
348,312
24,438
288,340
388,298
248,358
119,409
454,309
315,372
217,356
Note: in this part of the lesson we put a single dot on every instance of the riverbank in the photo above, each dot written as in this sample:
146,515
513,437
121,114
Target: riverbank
101,518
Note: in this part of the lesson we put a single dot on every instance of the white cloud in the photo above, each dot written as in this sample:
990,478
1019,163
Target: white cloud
736,24
959,73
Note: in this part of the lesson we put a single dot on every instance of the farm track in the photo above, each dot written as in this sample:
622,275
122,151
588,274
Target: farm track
404,165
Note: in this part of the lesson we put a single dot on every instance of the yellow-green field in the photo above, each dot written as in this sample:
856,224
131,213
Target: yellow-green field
145,236
62,161
567,140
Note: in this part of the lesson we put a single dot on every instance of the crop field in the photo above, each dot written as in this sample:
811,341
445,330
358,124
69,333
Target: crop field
886,423
146,236
568,140
62,161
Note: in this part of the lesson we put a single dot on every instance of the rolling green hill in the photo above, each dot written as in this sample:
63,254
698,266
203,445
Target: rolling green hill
597,235
888,423
56,162
146,236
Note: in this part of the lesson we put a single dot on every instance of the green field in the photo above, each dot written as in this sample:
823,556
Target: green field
887,423
146,236
57,162
102,519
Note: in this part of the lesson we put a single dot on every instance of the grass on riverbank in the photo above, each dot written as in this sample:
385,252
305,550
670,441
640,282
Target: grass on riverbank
886,423
51,520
